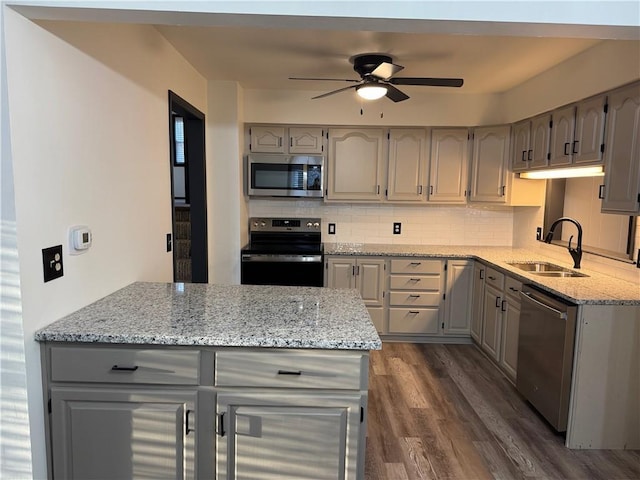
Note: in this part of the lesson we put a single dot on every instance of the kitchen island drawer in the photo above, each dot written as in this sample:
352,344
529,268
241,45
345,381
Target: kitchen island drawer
420,320
418,299
125,365
415,282
291,369
416,266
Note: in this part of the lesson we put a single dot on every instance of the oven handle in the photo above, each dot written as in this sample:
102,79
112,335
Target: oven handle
262,257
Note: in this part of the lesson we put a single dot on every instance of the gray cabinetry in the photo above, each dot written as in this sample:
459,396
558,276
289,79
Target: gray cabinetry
457,311
510,307
408,165
493,310
283,139
531,143
477,301
449,164
622,153
564,122
490,164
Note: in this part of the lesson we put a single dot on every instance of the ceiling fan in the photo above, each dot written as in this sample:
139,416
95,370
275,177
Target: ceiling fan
377,79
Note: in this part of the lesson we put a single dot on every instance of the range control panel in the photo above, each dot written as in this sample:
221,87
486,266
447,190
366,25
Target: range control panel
262,224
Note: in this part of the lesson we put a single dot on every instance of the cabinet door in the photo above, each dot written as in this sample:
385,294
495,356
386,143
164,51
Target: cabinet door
622,153
355,164
539,145
521,136
589,137
268,436
377,315
341,272
269,139
564,122
407,165
477,311
115,434
449,164
306,140
489,164
510,330
370,280
492,324
457,320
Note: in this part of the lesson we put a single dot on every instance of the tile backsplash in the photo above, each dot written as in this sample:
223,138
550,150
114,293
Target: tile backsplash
421,224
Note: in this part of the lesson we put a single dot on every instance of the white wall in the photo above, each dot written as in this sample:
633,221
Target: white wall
227,211
89,137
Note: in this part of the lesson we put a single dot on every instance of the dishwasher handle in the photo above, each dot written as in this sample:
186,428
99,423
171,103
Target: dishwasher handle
530,298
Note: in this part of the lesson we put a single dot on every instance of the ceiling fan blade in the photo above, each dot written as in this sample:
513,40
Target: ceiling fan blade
429,82
334,92
386,70
394,94
327,79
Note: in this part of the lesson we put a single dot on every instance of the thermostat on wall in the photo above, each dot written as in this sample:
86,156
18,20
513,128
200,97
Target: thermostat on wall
79,239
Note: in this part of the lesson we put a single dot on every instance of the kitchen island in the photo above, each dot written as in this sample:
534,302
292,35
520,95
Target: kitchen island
209,381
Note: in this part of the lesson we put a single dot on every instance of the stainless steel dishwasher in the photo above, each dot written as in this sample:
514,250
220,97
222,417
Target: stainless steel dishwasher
545,353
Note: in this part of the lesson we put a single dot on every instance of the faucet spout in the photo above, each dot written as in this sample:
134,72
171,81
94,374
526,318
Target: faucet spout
576,253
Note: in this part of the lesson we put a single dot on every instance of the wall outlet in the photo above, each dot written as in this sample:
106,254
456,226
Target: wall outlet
539,233
332,229
397,228
52,263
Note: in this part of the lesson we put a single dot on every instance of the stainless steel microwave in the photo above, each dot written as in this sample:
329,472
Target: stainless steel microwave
285,175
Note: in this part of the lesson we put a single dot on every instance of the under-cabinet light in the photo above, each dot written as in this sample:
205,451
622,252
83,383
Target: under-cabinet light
595,171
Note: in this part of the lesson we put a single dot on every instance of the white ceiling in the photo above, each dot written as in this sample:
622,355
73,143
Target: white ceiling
264,58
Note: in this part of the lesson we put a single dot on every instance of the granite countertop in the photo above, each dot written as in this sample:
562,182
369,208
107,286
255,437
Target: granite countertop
596,289
222,315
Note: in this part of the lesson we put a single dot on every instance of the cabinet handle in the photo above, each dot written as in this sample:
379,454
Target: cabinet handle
414,312
504,189
491,277
414,280
430,189
414,296
353,271
566,148
497,302
481,274
289,372
116,368
419,189
502,307
601,192
221,424
187,429
529,155
524,155
279,141
417,264
574,149
513,289
377,189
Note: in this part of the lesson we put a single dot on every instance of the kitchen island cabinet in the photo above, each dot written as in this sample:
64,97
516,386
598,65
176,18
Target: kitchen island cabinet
173,381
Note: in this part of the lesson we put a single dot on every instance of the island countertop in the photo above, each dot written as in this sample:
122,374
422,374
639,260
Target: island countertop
221,315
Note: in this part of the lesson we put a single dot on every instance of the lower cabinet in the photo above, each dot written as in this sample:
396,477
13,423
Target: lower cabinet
159,412
477,302
267,435
510,327
457,307
122,433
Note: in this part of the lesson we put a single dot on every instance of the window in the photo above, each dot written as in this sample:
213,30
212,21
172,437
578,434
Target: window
178,129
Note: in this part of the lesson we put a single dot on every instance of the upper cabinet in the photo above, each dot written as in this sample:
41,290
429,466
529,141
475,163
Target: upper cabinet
622,152
531,143
577,133
408,165
489,164
355,164
279,139
449,165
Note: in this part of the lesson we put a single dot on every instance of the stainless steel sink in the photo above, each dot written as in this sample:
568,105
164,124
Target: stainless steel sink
546,269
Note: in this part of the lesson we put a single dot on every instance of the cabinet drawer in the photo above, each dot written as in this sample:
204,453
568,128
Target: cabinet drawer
512,288
416,265
123,365
414,282
419,320
289,370
495,278
418,299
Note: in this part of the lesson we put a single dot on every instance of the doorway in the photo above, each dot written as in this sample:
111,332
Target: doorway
188,191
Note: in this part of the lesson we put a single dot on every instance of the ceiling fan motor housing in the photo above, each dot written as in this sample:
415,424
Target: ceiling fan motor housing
367,63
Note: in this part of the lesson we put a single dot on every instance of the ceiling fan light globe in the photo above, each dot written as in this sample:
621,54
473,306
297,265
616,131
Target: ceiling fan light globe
371,92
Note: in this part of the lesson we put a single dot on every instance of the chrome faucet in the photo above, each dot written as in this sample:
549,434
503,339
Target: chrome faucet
576,253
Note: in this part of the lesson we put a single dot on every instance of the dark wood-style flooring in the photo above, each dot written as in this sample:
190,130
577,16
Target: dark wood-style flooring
445,412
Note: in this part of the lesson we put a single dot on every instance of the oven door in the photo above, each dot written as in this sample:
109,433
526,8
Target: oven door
282,269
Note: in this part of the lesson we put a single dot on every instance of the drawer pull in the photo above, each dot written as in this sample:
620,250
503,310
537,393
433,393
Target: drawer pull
414,279
416,263
491,277
414,312
414,296
116,368
289,372
513,289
